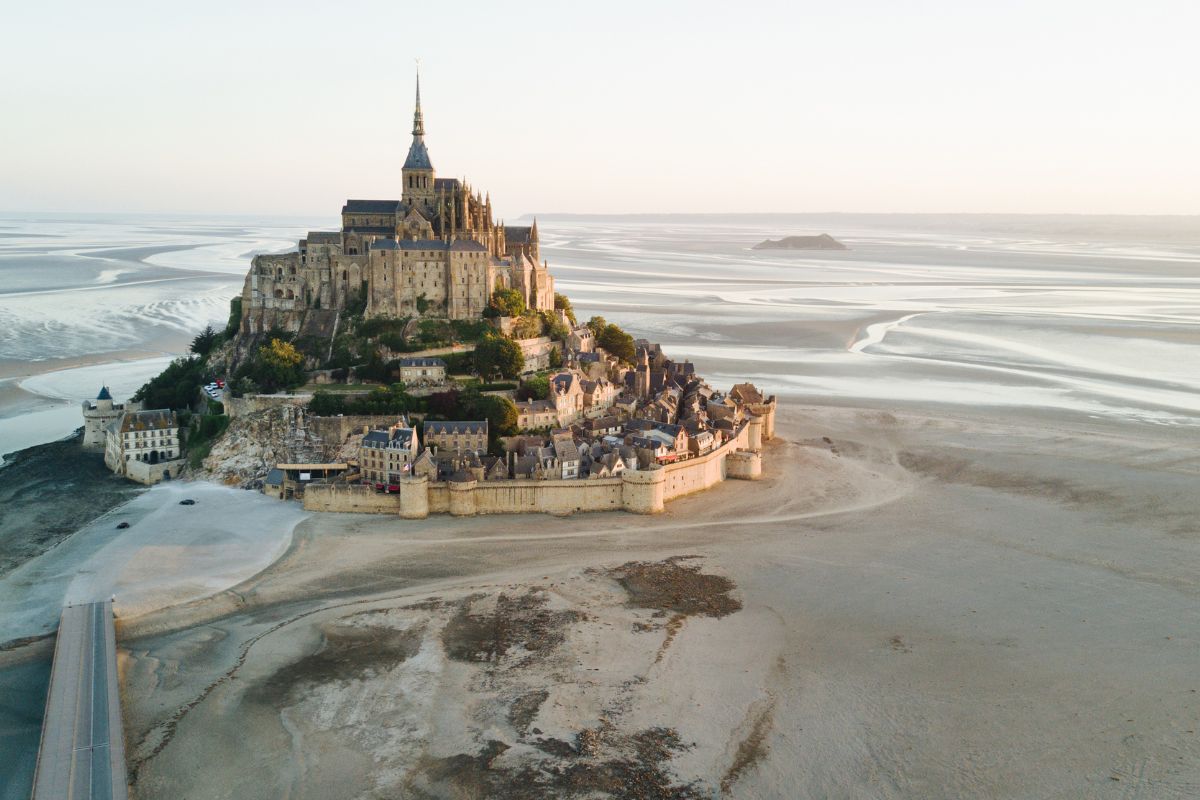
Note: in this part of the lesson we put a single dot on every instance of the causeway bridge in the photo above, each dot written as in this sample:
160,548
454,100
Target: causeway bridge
82,753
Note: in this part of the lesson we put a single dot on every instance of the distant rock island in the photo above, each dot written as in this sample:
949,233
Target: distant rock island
822,242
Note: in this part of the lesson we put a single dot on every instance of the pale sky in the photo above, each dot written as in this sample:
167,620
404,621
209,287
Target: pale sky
291,107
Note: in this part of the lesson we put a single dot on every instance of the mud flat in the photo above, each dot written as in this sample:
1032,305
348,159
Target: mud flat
905,606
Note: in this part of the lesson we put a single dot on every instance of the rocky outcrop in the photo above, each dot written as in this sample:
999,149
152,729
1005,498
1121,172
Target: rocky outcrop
255,442
821,242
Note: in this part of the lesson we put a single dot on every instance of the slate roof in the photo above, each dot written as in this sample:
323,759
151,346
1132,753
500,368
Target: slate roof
525,466
670,430
375,439
517,234
647,442
372,207
384,244
274,477
566,450
155,419
467,246
445,184
422,362
535,405
418,155
562,381
399,439
324,237
104,394
423,244
455,427
746,392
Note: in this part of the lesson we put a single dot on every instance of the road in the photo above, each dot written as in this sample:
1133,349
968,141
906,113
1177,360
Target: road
82,752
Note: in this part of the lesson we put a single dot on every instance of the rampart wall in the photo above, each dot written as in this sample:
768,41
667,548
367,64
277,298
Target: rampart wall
638,491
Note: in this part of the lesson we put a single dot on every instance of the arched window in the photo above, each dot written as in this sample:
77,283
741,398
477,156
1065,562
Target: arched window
291,295
279,292
345,276
279,272
291,270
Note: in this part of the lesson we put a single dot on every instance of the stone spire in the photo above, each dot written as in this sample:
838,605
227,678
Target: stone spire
418,120
418,156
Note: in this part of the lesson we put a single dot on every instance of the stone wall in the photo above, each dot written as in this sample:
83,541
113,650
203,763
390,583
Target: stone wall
240,406
334,430
525,496
703,472
352,499
150,474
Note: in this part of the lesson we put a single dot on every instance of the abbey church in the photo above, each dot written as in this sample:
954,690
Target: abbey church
437,251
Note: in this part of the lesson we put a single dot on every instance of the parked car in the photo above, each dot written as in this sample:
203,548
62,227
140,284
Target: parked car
187,502
122,526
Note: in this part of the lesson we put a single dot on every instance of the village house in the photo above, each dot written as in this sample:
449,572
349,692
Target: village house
567,456
386,456
567,395
601,426
144,446
598,395
422,371
456,437
581,339
536,414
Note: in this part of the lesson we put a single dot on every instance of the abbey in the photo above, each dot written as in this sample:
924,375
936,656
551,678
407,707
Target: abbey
437,251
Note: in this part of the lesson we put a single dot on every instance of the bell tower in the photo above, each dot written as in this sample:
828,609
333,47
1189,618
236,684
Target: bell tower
418,174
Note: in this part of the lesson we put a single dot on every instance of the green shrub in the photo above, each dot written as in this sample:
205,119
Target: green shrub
235,317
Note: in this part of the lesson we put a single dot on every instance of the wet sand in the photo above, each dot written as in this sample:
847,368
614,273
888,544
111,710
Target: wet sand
906,606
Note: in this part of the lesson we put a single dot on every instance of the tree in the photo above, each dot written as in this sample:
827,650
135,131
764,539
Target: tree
536,387
505,303
500,413
443,404
554,326
527,326
555,359
357,304
175,387
597,324
561,301
498,355
616,342
204,341
280,365
375,368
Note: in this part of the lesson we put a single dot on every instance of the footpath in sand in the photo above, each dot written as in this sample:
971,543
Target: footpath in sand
903,607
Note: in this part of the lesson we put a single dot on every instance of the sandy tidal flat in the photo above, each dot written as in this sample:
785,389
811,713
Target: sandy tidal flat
906,606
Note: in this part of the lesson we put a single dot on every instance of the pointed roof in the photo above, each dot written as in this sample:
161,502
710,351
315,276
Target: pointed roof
104,394
418,155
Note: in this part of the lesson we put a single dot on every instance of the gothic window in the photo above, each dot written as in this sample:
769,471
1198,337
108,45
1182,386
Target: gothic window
344,276
279,292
